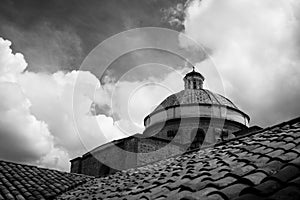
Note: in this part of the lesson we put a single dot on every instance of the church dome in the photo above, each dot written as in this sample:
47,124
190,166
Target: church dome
192,96
195,102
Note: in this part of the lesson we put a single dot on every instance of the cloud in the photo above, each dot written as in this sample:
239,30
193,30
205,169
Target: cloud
133,100
23,137
255,47
174,15
51,118
42,121
67,113
11,64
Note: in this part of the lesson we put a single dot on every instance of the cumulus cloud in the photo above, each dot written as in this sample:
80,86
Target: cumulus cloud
174,15
255,46
47,119
11,64
42,120
23,137
133,100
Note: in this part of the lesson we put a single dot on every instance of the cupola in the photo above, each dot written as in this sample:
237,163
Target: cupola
193,80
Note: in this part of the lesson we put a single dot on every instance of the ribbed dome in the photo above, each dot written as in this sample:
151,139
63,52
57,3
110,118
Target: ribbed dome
191,96
192,109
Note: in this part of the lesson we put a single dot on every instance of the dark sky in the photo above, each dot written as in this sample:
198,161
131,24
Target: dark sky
57,35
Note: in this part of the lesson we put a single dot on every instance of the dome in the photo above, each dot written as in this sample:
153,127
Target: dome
192,96
195,102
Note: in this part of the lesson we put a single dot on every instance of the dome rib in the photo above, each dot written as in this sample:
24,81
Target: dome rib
190,96
212,95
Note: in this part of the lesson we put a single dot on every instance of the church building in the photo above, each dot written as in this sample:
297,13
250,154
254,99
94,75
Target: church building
190,119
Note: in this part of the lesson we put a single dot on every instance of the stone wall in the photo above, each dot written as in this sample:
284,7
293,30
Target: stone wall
151,150
90,166
107,158
120,156
128,153
76,165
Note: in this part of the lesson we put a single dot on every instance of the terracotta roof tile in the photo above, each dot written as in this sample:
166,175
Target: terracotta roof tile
295,182
260,165
233,190
22,182
256,177
296,162
249,197
285,174
288,193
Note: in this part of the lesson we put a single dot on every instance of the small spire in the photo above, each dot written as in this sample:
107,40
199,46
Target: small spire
193,68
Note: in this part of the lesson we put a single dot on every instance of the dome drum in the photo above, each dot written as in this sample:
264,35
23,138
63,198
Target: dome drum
181,130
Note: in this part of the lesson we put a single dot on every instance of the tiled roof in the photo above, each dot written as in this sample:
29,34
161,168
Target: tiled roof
265,164
20,182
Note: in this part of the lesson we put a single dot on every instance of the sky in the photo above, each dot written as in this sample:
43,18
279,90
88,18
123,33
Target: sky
54,109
